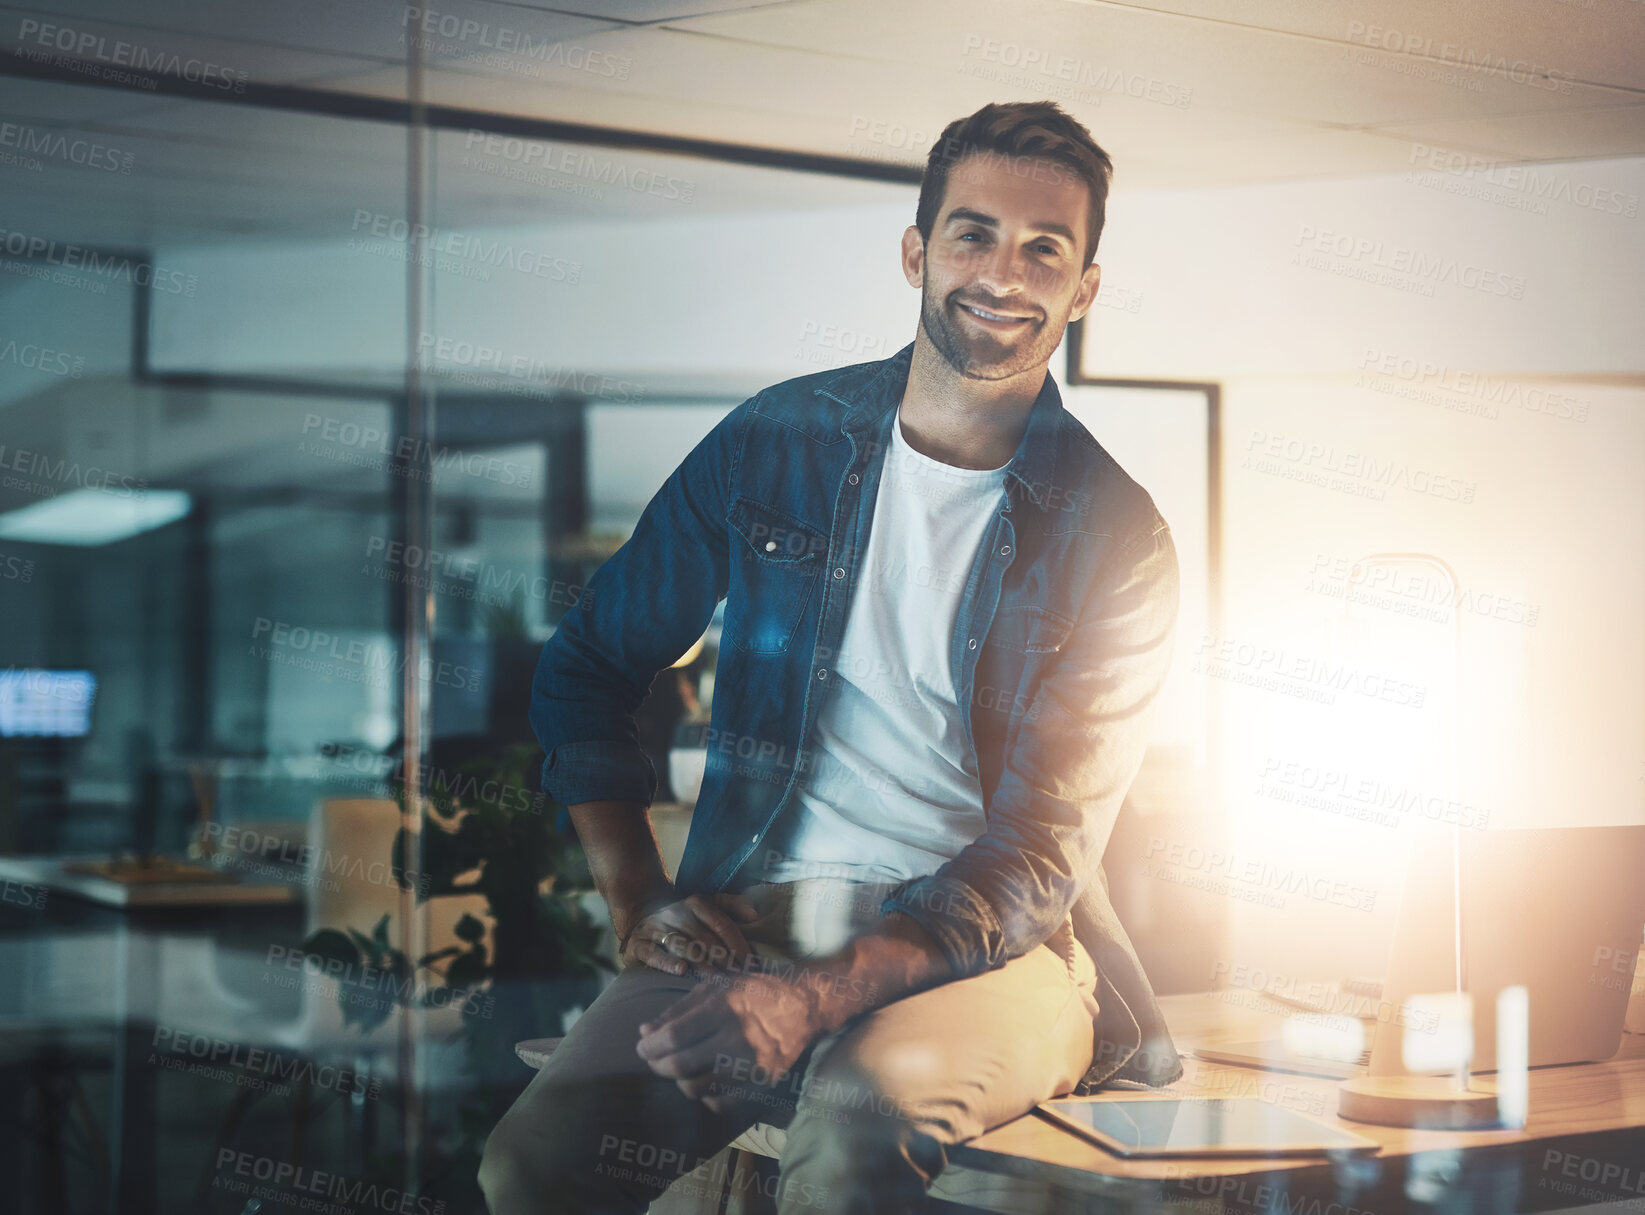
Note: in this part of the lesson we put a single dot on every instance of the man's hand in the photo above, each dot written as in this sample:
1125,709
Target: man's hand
756,1025
700,931
717,1040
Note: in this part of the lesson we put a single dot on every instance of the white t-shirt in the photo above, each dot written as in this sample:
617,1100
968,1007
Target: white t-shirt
891,790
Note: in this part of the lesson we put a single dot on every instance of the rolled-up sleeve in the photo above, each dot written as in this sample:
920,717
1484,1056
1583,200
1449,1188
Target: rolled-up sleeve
1079,748
641,610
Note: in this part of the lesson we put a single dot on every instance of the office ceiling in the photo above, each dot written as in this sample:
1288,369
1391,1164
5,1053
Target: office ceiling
1181,92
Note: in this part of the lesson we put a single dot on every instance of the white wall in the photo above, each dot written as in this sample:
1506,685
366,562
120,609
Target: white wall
748,298
56,333
1228,282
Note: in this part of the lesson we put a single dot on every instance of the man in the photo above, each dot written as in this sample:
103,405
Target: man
946,612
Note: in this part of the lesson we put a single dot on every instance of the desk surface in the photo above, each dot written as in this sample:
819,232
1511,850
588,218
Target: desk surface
48,873
1573,1100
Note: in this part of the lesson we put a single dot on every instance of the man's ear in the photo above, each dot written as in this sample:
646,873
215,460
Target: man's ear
913,256
1087,294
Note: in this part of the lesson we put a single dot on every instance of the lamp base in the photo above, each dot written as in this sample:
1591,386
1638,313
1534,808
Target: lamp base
1425,1102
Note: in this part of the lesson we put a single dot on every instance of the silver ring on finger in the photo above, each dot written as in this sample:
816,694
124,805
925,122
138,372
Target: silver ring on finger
672,932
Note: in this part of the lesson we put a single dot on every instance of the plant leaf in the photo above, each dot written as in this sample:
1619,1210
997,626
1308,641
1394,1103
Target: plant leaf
468,970
329,945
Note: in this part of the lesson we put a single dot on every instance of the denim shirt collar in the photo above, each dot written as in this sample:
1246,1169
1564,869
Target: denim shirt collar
868,397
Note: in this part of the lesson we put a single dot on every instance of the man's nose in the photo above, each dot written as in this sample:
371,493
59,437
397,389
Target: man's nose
1002,271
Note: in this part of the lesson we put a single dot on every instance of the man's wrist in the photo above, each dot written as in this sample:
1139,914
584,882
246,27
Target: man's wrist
633,908
877,968
837,993
622,857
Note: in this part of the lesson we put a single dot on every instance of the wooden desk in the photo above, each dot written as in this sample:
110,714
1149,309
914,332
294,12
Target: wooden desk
1582,1118
49,873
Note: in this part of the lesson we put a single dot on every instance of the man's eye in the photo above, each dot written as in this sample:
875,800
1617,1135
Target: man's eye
1051,249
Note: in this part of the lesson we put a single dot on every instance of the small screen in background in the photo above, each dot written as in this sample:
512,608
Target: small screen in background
46,704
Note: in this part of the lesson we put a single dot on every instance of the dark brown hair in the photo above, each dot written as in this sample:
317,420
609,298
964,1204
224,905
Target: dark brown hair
1019,133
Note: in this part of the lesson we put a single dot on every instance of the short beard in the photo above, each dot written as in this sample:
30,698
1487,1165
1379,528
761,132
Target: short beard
1034,349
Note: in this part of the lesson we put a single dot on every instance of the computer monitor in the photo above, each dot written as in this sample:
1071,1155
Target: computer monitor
38,703
1558,911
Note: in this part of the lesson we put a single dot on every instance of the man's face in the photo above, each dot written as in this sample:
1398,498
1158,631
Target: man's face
1003,272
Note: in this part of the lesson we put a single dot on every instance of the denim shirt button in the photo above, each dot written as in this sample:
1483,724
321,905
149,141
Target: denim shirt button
971,644
839,572
853,478
770,546
822,673
1005,550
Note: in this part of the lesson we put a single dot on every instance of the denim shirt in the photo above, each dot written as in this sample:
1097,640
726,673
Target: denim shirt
1062,642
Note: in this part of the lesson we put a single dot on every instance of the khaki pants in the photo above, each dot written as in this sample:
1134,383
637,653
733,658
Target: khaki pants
870,1109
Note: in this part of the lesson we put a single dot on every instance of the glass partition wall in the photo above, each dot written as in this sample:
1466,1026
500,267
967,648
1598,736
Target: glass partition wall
202,710
269,593
313,424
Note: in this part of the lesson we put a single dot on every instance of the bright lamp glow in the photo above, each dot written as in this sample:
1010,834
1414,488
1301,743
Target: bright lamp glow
90,517
1324,1036
1439,1032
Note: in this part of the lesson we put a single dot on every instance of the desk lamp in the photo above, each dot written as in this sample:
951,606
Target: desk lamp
1441,1102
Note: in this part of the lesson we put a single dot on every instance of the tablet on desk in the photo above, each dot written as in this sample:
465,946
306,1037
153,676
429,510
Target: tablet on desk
1221,1126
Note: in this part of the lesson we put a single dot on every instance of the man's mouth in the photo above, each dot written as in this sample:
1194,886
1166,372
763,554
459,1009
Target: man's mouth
995,320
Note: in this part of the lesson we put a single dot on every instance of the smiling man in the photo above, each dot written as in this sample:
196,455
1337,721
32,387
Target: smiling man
947,611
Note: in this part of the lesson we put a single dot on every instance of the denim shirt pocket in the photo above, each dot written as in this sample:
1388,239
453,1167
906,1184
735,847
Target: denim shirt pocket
775,563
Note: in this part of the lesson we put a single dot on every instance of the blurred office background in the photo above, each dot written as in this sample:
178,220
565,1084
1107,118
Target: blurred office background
338,338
